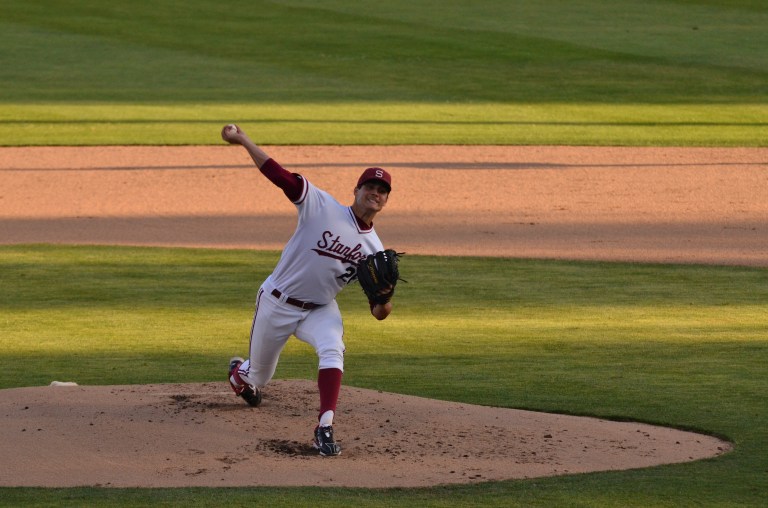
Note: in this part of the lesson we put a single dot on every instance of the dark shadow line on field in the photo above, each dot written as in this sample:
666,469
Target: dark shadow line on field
723,242
387,122
248,228
409,165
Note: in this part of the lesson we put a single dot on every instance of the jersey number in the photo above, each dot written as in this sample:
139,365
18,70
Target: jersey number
349,275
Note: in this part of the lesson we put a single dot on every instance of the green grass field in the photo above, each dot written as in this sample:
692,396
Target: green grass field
611,72
683,346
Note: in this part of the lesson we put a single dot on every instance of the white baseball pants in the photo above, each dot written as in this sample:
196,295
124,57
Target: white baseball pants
275,321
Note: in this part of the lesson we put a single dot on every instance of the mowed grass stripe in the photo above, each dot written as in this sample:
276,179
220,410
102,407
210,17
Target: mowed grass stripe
677,73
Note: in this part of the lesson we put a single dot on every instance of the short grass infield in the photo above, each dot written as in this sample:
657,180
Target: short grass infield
683,346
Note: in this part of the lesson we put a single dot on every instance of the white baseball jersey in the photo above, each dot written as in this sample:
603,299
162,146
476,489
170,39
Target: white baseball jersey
320,258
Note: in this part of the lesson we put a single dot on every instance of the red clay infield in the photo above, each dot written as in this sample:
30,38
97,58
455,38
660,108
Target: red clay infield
665,205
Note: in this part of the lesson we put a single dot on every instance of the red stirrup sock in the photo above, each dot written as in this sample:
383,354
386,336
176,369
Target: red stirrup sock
329,384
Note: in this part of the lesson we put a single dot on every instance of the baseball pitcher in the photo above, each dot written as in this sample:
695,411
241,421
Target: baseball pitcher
331,243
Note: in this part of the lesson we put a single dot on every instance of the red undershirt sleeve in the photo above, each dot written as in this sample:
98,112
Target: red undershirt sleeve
290,183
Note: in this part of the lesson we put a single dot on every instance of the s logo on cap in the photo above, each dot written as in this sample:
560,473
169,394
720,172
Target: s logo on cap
376,174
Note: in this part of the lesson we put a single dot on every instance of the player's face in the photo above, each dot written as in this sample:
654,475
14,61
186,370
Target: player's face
371,196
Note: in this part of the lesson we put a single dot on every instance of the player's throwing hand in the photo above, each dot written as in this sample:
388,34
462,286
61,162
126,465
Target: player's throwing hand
231,133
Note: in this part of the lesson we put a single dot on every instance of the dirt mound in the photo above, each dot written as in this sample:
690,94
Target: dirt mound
176,435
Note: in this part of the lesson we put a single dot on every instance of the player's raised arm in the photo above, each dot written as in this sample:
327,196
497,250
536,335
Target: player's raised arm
235,135
290,183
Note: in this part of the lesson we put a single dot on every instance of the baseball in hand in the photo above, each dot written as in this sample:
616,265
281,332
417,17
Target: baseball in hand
227,131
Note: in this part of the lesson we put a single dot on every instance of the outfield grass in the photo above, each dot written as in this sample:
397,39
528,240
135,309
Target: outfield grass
618,72
676,345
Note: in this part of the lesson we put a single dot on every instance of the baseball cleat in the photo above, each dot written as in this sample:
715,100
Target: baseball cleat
325,443
249,393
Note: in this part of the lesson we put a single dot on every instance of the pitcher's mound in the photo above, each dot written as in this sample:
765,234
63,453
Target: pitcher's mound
179,435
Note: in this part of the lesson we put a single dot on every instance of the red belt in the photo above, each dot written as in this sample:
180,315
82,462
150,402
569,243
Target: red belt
294,301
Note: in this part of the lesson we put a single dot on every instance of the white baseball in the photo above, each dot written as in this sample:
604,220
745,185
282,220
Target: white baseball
232,128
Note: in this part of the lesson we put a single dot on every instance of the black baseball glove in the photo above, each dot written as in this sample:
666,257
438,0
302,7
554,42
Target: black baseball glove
377,273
